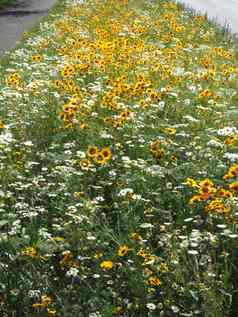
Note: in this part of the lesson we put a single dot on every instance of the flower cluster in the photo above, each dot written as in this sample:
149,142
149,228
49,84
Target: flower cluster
119,164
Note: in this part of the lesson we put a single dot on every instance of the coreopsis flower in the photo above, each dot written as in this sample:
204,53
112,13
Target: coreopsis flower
153,281
195,199
123,250
36,58
205,93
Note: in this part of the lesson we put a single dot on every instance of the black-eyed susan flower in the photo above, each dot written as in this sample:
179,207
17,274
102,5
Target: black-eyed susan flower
99,159
123,250
225,193
92,151
106,153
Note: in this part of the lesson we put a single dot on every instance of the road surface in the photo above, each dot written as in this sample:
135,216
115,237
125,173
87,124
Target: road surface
224,11
15,20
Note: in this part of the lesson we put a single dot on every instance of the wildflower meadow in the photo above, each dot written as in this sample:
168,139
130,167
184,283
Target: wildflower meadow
119,164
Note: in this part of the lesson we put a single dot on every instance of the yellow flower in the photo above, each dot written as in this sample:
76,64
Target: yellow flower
106,265
230,140
226,176
36,58
78,194
205,93
46,300
163,267
123,249
159,154
118,310
149,259
100,159
67,71
225,193
125,114
217,206
58,239
141,252
84,126
232,172
135,236
1,124
154,146
195,199
206,183
84,164
51,311
30,251
153,281
106,153
98,255
37,305
92,151
170,131
234,186
142,103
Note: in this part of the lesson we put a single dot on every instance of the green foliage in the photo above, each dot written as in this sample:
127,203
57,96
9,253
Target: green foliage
118,151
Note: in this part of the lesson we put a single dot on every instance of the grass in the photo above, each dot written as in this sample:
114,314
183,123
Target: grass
6,3
118,164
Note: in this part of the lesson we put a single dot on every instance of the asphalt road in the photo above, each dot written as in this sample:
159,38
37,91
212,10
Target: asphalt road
22,17
224,11
15,20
